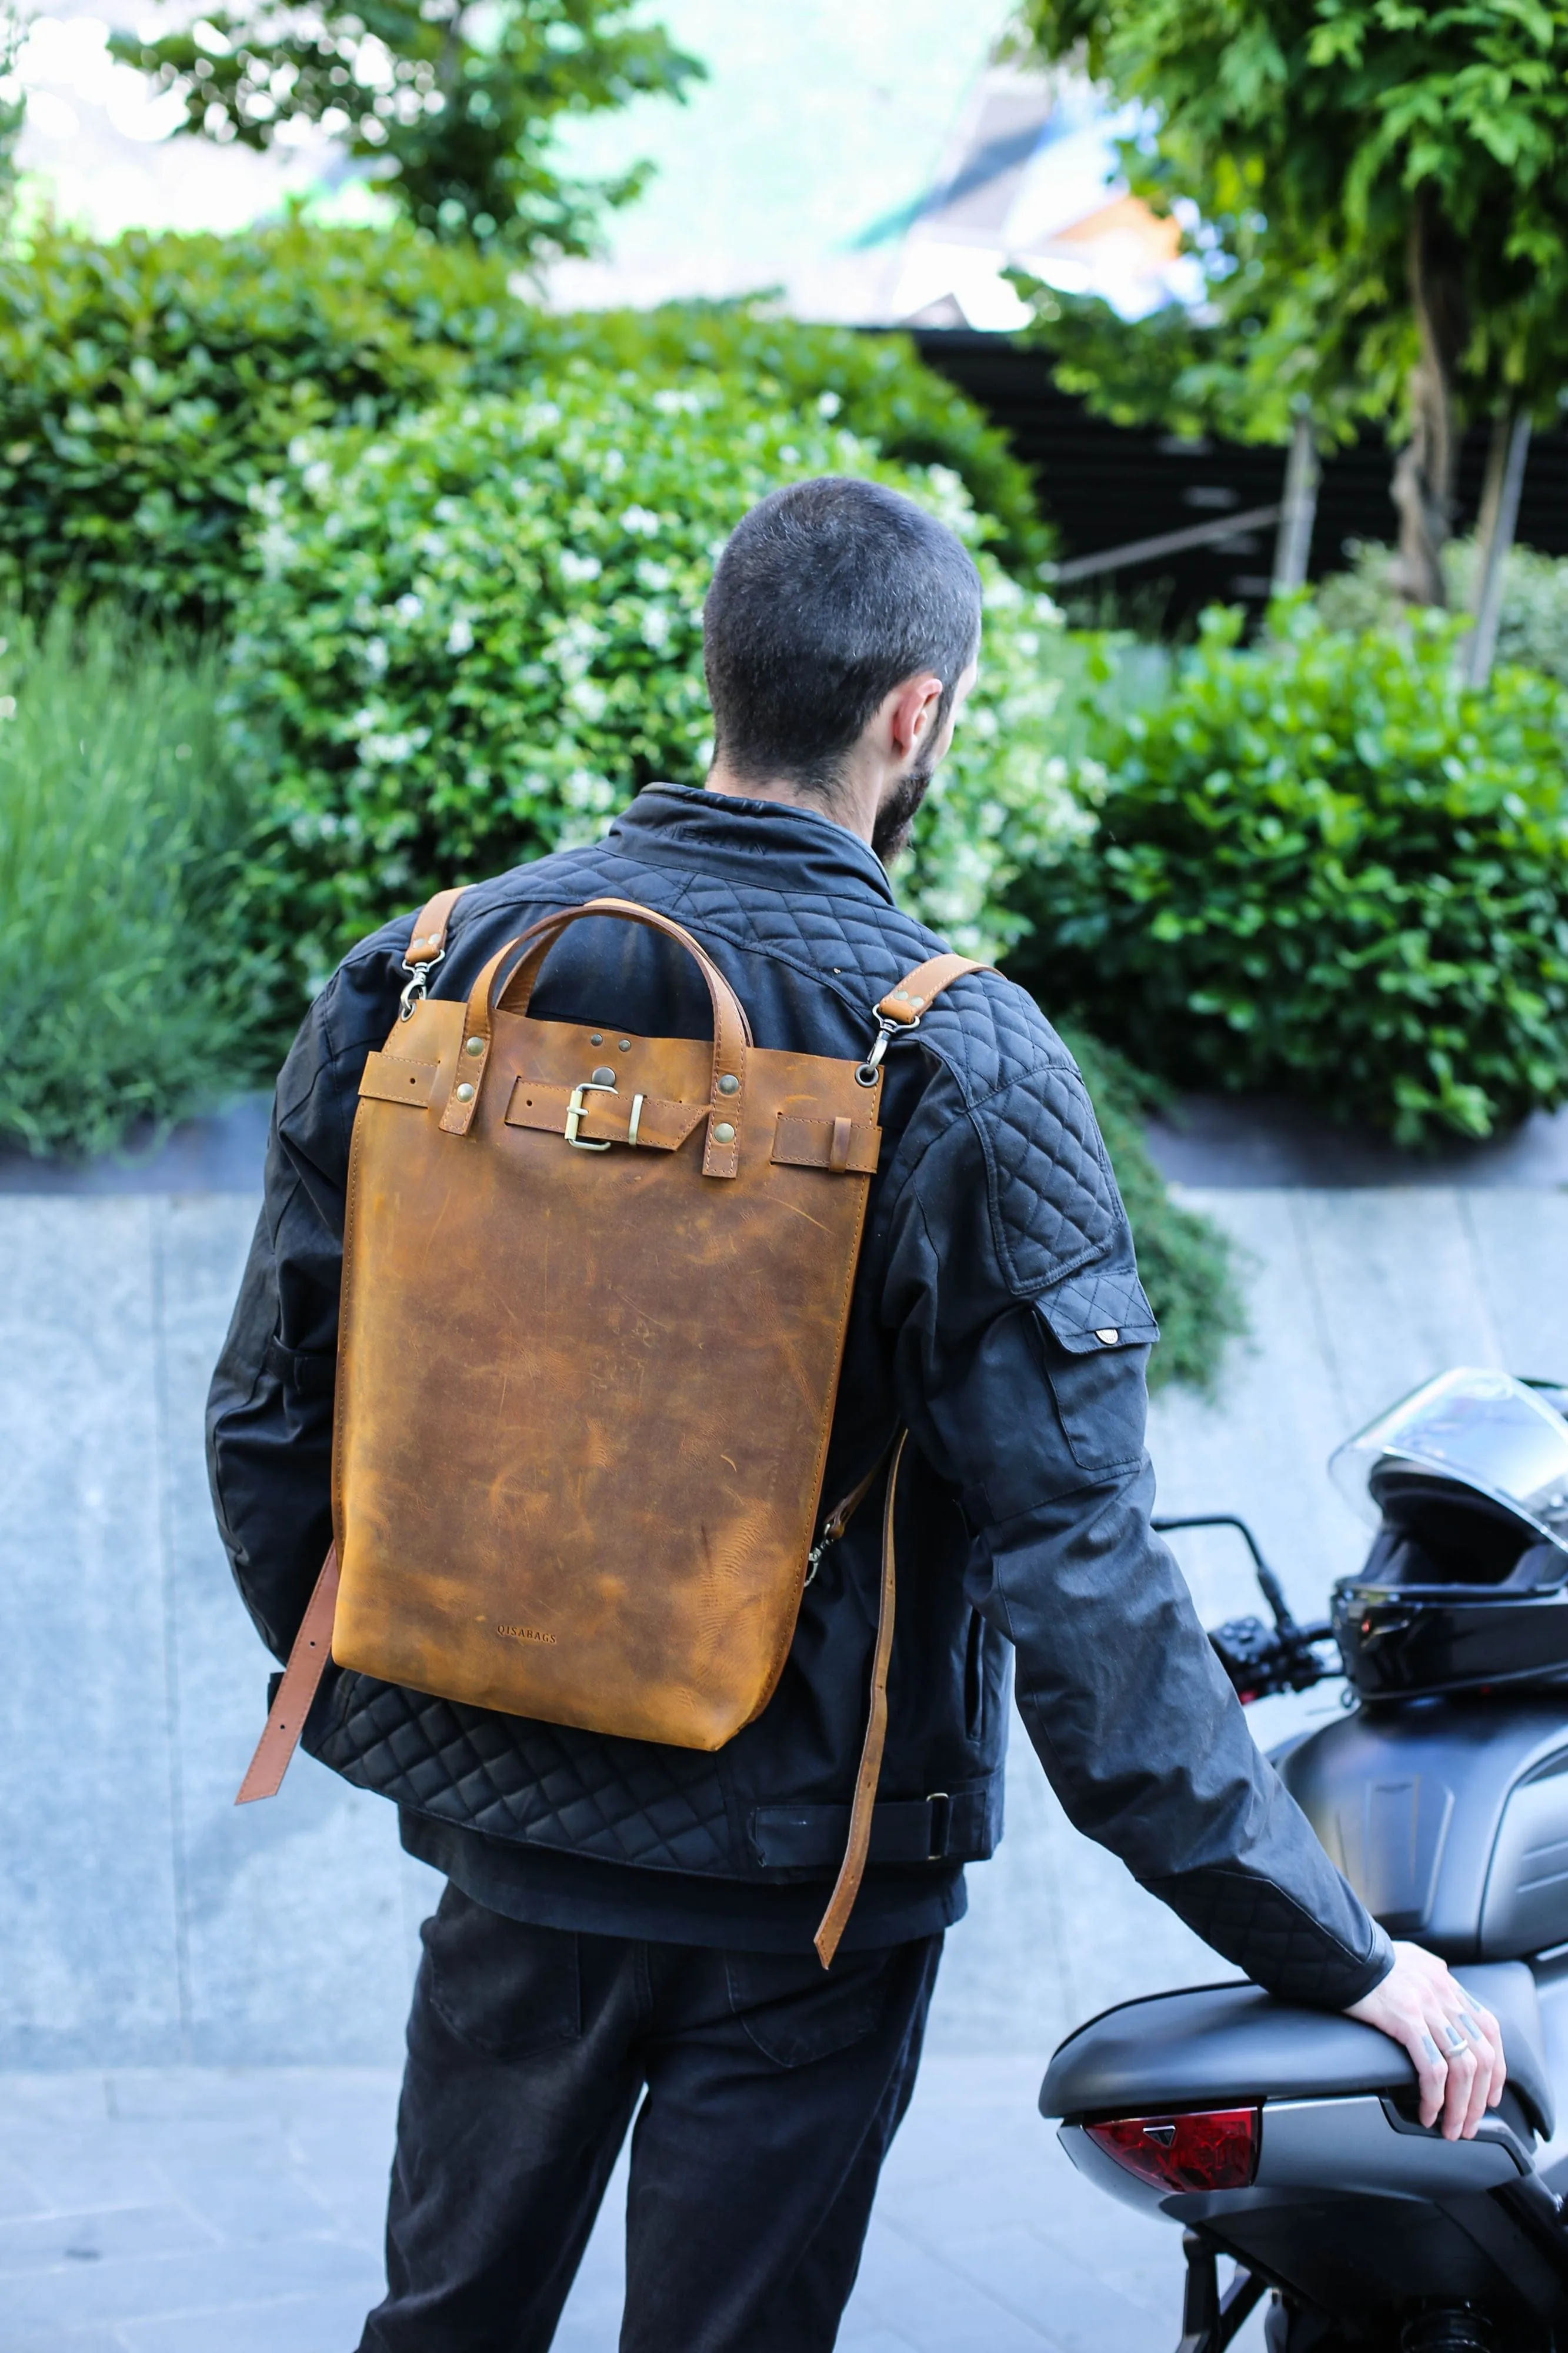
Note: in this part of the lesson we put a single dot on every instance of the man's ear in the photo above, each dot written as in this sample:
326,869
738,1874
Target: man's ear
912,719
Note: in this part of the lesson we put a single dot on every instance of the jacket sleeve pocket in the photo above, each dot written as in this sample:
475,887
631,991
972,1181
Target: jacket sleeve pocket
1095,1331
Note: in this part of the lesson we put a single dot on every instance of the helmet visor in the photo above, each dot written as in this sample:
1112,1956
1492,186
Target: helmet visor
1485,1430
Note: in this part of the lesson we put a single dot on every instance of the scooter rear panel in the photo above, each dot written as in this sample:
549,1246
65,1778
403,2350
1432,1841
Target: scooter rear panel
1352,2206
1214,2046
1449,1818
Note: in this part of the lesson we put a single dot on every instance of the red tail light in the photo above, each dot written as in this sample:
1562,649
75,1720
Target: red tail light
1217,2149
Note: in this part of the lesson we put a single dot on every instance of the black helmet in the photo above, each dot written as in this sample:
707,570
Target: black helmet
1466,1586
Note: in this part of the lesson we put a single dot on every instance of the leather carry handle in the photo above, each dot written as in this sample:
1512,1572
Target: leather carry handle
732,1030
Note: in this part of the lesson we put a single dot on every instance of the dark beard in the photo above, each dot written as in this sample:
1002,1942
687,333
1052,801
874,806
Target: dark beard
890,834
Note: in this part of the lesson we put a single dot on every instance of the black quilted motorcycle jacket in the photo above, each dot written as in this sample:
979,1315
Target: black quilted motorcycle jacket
997,1312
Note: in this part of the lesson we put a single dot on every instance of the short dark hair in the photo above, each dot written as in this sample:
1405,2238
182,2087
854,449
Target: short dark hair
829,595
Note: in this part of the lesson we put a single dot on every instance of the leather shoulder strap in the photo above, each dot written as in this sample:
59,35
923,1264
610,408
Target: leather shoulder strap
852,1869
427,945
906,1003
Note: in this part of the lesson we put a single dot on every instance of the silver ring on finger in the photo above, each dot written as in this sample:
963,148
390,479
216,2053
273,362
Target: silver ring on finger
1457,2039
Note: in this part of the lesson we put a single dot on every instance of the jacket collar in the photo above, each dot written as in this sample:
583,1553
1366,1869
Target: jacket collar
766,842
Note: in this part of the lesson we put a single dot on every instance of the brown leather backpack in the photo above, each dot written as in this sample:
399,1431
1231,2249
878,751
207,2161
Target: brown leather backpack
595,1289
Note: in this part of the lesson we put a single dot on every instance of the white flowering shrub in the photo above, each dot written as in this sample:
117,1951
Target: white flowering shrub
477,633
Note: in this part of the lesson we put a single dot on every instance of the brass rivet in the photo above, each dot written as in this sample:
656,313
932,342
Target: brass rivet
465,1093
724,1133
1110,1335
596,1038
729,1084
604,1077
475,1046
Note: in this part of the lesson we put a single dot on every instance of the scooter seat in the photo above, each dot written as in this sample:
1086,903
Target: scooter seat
1218,2045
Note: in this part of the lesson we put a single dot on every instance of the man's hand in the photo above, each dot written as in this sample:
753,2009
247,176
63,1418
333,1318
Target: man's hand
1455,2043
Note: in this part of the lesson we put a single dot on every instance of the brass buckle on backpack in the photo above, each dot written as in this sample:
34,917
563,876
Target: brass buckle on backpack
575,1108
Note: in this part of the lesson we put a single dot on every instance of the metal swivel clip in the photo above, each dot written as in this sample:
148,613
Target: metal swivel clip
867,1073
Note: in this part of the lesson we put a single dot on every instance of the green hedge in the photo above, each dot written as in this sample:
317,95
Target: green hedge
128,988
875,384
1184,1259
149,388
1325,866
477,634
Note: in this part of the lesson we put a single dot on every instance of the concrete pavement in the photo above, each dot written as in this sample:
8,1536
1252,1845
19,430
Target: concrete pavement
186,2210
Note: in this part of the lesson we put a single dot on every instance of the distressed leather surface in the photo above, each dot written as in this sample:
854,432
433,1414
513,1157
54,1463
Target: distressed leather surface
584,1395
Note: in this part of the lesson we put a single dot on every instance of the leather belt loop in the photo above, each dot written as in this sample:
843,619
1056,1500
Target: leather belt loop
301,1682
851,1871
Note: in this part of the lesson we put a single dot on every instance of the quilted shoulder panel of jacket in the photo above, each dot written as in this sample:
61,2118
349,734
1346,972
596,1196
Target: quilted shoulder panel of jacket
986,1030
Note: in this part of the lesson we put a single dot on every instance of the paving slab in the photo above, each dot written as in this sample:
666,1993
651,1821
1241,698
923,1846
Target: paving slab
984,2239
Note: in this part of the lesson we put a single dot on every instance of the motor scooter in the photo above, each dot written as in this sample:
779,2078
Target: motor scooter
1288,2138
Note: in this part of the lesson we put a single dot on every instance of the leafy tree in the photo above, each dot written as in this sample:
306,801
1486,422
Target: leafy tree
1384,190
451,102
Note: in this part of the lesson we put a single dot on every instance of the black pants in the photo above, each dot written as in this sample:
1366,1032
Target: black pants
773,2093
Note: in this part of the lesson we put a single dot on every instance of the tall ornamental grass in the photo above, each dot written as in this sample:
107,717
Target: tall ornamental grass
126,993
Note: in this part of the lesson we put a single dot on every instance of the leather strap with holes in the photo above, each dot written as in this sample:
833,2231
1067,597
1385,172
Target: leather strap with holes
428,943
909,1001
301,1680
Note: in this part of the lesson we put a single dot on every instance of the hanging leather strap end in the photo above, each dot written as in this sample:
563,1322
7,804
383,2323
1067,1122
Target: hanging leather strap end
852,1870
301,1680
